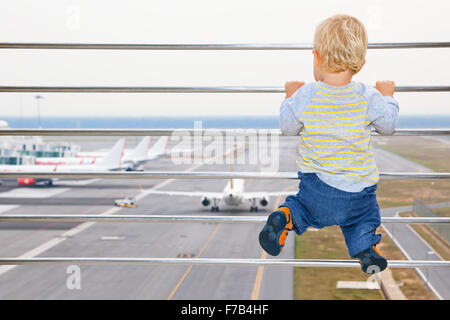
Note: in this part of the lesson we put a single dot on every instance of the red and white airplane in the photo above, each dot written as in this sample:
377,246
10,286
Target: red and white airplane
139,152
111,162
132,159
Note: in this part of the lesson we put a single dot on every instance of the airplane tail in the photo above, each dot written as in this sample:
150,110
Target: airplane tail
114,157
159,148
140,152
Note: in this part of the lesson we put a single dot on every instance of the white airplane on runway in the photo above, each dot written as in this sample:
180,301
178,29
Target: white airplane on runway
233,195
111,162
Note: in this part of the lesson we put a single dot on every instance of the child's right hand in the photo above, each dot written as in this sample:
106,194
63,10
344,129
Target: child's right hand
386,88
291,86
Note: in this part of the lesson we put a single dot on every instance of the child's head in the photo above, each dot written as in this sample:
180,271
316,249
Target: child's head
340,44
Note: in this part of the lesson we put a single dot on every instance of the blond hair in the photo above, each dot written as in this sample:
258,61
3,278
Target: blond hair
341,42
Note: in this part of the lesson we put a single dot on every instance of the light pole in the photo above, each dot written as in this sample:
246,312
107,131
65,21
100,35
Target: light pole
39,109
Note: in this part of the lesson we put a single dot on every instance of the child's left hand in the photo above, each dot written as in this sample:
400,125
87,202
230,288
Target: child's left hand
291,86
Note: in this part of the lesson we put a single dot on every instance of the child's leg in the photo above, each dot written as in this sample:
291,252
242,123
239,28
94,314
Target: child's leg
360,236
371,260
273,236
289,216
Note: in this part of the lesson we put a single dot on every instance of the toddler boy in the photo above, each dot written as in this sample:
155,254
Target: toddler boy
334,117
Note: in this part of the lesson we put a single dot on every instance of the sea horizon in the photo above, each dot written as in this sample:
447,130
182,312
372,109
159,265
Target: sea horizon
244,122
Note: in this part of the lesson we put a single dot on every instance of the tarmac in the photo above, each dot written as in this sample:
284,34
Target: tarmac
141,240
206,240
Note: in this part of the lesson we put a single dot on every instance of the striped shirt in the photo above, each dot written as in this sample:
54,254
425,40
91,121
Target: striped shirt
334,125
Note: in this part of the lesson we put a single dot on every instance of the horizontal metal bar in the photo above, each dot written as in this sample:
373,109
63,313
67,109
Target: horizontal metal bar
201,175
235,46
183,218
152,175
218,89
188,132
414,175
420,132
222,262
143,132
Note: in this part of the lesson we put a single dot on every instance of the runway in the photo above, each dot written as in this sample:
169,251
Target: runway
143,240
414,247
206,240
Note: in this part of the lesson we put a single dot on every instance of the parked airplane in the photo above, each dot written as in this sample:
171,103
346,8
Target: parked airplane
101,154
111,162
139,152
233,195
132,159
141,155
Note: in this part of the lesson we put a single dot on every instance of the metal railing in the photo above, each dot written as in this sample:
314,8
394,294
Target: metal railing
201,175
197,175
199,89
203,261
188,132
222,262
231,46
169,218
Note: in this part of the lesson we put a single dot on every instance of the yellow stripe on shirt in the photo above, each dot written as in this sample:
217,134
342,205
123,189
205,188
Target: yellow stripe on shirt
326,99
335,125
350,137
336,95
330,140
335,106
336,131
357,175
349,160
346,173
354,137
333,119
352,152
331,112
347,168
363,159
316,146
344,168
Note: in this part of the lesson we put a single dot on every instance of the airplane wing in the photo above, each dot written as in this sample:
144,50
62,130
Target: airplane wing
216,195
259,195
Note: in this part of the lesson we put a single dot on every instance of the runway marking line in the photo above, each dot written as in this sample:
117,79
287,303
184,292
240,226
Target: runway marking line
7,207
188,270
53,241
408,257
424,242
260,272
36,193
31,233
258,280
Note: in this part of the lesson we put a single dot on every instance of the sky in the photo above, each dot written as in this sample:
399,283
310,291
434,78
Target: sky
206,21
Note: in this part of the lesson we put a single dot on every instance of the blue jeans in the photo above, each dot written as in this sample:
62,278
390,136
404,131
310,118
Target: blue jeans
319,205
